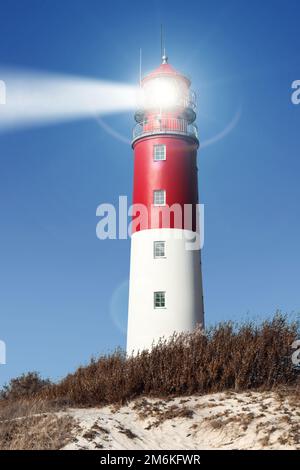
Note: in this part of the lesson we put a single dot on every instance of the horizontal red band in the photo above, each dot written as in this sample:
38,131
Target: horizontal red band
176,175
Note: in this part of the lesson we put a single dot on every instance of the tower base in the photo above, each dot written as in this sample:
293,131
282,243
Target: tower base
178,275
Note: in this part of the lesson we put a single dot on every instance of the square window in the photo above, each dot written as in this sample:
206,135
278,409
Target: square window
159,197
159,153
159,249
159,299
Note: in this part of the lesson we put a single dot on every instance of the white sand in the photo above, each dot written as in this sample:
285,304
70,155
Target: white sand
219,421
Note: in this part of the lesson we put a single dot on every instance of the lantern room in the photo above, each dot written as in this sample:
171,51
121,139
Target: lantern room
166,104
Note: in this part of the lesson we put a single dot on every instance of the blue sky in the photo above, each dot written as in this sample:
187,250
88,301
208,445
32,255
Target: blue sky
63,292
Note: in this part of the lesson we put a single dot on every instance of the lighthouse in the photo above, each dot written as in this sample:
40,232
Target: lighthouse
165,289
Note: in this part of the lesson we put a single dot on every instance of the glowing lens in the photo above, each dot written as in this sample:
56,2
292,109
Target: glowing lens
161,93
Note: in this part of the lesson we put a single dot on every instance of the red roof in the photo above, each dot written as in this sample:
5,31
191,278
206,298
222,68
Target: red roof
165,70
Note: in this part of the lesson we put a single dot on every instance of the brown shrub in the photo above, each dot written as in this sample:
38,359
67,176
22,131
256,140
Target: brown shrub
24,386
224,358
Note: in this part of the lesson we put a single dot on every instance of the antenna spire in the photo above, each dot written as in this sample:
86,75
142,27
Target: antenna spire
164,57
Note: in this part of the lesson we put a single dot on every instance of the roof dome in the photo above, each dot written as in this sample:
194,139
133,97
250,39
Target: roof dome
166,70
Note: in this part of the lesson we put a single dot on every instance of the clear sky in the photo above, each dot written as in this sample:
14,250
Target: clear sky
63,292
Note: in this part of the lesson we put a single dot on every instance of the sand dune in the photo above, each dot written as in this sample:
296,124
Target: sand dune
229,420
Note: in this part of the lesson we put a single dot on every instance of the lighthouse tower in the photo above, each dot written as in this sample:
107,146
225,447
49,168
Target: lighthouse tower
165,292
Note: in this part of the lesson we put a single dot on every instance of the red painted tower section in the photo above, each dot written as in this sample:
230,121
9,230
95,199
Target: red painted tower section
165,277
177,176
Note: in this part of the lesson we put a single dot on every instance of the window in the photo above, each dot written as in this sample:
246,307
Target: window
159,299
159,152
159,197
159,249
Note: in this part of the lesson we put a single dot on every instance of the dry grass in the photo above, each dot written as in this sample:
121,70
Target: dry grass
41,432
24,386
172,412
32,424
224,358
161,411
22,408
127,432
217,423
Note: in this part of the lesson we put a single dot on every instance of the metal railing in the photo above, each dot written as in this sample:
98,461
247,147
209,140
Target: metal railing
165,126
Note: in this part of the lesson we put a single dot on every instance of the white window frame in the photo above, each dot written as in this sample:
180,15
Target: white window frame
157,152
164,199
155,245
155,297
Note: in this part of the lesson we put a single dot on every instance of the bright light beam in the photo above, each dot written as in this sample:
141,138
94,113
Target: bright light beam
36,98
161,93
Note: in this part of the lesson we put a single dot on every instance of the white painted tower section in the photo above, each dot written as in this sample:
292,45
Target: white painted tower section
178,274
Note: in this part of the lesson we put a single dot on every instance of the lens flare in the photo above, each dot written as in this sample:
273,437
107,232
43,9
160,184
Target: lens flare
36,98
229,128
161,93
118,306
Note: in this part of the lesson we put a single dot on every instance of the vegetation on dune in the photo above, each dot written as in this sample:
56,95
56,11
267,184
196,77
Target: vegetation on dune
249,357
43,431
223,358
24,386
